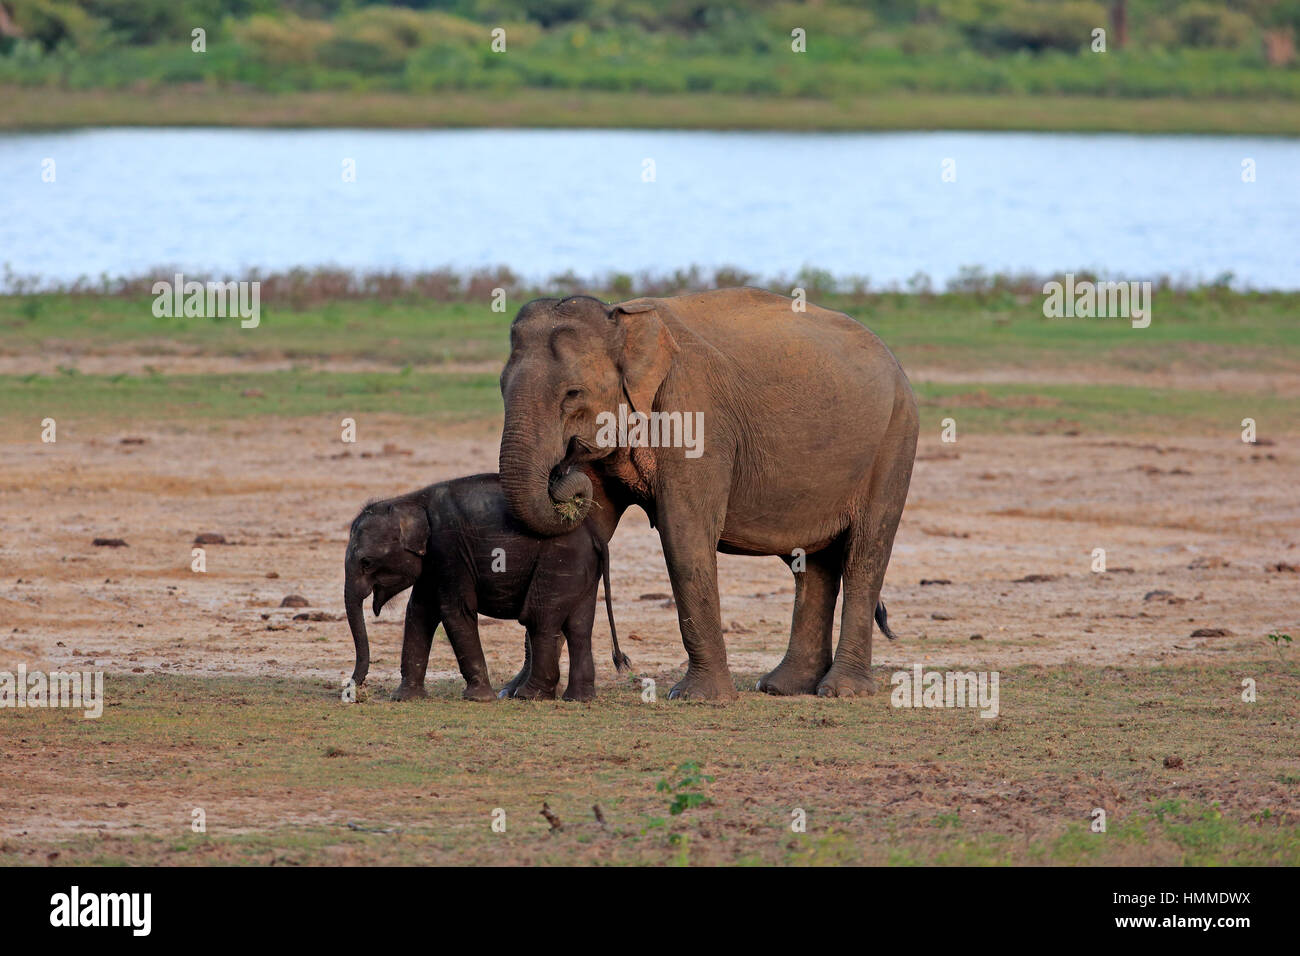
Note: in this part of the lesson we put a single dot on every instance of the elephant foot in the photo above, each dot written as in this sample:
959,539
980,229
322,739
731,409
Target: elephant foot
583,693
481,693
410,692
789,680
697,686
840,682
530,691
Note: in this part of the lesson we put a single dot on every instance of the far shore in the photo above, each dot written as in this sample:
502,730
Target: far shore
42,108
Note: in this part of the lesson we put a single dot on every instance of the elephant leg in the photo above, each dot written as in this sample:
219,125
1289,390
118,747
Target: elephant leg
512,685
867,547
582,666
417,640
462,630
691,553
808,657
544,668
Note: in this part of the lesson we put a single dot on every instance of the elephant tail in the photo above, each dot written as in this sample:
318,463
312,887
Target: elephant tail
620,659
882,619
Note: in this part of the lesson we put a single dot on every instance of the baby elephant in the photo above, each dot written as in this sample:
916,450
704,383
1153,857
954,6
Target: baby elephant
457,546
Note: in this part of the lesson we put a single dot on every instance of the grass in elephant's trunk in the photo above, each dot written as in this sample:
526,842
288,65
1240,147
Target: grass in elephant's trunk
574,509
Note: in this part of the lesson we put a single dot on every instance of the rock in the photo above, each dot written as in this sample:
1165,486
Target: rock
272,574
940,616
1154,595
316,616
1034,578
295,600
1282,568
977,637
1173,763
209,537
109,543
1210,632
655,596
134,441
926,582
1212,561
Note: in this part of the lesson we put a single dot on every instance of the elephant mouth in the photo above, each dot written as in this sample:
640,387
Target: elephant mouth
382,595
578,451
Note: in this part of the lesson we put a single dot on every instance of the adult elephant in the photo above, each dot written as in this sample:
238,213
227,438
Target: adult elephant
809,435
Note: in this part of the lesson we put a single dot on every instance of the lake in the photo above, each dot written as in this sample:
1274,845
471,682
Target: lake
218,201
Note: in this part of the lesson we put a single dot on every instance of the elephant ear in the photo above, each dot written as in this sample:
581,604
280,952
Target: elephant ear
648,349
413,528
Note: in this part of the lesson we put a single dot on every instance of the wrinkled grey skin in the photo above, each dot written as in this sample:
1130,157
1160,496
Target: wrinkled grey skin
457,547
810,430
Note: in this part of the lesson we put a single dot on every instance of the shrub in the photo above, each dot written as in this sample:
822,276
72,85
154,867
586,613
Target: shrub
1204,25
1004,25
56,23
291,40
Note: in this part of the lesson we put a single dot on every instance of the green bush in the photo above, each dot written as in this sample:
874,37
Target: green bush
1204,25
1011,25
57,23
1203,48
284,41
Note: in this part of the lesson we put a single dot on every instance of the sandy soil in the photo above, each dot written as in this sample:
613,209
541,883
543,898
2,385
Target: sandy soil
1201,519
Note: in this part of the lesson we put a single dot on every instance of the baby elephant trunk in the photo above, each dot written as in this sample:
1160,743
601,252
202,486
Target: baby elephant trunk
354,603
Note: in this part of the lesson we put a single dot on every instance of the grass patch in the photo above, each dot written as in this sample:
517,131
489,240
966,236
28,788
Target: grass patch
1213,328
439,359
1097,409
36,108
398,333
285,772
123,400
127,399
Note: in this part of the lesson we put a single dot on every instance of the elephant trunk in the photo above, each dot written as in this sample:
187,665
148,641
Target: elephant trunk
548,506
353,602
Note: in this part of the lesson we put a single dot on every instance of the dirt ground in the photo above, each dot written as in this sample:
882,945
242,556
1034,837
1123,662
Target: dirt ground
1205,524
1208,521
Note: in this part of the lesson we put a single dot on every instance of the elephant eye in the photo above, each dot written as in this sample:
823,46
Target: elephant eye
573,393
367,565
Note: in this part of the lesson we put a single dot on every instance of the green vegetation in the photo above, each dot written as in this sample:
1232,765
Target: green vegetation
688,791
123,398
436,318
418,782
452,397
1032,53
442,359
51,108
